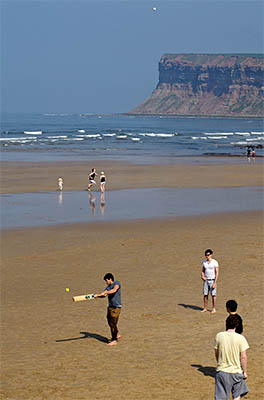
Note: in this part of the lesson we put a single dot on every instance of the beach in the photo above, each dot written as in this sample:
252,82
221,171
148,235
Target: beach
17,177
53,348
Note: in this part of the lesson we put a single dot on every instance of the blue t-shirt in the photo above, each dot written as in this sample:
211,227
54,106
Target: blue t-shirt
115,298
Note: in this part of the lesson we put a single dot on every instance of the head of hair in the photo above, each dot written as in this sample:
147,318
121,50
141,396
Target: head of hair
109,276
232,321
93,169
231,305
208,251
102,173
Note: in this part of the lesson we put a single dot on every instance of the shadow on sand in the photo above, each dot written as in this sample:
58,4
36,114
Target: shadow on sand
207,371
86,335
191,306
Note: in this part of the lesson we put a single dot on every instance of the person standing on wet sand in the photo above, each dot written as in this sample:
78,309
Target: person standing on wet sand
102,182
209,275
91,178
248,154
113,291
253,155
60,183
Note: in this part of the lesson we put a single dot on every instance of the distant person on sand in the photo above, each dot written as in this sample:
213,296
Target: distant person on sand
209,275
102,182
253,155
60,183
91,178
248,154
231,308
113,291
230,353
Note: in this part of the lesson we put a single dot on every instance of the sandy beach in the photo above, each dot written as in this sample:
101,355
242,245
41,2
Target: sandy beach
19,177
54,349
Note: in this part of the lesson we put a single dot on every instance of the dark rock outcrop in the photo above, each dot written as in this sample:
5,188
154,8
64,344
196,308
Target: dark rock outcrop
208,84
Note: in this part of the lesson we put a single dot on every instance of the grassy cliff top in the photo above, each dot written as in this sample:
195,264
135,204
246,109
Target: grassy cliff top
230,58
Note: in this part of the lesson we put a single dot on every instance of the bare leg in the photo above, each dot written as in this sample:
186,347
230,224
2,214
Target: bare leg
205,303
237,398
214,303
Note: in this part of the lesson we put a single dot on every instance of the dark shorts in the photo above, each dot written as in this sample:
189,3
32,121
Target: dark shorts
226,383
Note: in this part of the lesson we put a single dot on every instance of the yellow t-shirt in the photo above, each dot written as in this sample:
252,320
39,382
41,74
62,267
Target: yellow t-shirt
230,345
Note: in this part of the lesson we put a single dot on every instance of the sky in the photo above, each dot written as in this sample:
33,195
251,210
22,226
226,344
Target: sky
102,56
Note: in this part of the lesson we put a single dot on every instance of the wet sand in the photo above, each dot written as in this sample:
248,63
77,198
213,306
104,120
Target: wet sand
53,348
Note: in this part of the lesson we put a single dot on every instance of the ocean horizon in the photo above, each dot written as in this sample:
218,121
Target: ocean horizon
122,137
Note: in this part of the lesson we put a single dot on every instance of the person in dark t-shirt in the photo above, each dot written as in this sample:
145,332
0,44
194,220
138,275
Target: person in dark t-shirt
231,307
91,179
113,291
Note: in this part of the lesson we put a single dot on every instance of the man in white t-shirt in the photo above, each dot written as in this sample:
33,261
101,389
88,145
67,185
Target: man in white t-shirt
210,273
230,353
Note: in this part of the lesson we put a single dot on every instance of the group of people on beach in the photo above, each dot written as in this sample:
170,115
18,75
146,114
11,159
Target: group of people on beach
91,181
251,153
230,345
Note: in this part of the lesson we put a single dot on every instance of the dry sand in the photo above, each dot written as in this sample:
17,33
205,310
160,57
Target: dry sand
53,348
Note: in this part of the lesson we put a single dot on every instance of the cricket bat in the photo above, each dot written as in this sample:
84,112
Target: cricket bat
86,297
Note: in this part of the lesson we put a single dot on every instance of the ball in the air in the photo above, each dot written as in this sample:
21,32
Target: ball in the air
67,289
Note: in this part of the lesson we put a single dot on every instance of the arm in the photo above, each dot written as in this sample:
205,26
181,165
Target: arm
243,359
111,291
216,276
203,275
216,355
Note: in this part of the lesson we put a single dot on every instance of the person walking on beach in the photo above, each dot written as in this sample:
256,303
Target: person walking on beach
209,275
230,353
231,308
113,291
91,178
60,183
102,182
248,154
253,155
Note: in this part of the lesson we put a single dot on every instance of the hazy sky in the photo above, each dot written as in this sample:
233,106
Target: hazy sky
102,56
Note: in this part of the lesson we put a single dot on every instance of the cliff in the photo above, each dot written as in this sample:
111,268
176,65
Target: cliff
208,84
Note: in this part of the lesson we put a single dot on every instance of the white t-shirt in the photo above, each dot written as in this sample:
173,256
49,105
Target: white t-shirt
209,268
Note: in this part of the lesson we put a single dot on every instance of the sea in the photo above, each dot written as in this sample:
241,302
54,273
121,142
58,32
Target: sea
127,138
139,139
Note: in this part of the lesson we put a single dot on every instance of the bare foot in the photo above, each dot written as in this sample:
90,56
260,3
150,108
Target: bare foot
118,336
113,343
204,310
213,311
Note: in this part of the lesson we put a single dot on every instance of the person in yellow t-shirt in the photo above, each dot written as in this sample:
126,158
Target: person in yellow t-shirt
230,353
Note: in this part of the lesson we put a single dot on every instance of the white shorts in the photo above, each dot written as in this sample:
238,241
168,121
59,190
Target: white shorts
207,287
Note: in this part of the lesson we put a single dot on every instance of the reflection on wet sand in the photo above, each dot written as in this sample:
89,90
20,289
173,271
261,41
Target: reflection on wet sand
102,203
92,202
60,198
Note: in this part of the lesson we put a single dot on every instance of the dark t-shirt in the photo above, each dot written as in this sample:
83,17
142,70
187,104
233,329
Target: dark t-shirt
115,298
239,328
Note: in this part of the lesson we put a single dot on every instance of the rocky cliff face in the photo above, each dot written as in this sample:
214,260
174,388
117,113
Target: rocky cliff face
208,84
